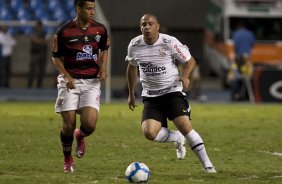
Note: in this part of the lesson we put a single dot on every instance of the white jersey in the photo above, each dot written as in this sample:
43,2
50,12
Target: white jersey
8,42
158,73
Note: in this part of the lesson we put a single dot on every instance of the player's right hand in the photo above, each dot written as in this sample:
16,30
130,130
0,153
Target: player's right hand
70,84
131,103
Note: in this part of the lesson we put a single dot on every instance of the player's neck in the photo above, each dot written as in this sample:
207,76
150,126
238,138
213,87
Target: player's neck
81,23
152,40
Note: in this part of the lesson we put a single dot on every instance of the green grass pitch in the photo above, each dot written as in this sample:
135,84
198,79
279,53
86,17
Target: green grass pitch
243,141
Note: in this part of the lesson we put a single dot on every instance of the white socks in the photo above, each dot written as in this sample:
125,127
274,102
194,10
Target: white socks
166,135
197,145
194,140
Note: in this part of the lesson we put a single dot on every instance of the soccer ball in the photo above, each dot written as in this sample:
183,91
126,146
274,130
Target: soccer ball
137,172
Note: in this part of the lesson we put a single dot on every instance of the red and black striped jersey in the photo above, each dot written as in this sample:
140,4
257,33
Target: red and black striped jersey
79,48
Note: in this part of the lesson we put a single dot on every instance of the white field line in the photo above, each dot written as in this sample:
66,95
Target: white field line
272,153
275,154
274,177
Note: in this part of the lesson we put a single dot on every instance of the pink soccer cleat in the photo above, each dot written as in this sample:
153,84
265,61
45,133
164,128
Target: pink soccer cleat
68,164
80,143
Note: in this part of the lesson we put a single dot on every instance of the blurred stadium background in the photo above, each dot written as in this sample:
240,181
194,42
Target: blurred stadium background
21,14
187,20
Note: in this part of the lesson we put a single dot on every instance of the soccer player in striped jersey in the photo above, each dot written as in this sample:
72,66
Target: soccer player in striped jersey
155,54
80,53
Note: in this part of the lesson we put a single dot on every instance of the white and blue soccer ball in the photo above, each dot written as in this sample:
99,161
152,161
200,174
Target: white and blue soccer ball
137,172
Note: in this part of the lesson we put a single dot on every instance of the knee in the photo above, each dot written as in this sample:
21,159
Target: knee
88,127
150,134
91,128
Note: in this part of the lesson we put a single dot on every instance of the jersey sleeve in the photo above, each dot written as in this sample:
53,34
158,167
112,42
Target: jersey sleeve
129,58
57,45
180,52
105,41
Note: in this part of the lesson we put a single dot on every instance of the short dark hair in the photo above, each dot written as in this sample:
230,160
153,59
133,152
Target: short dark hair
79,2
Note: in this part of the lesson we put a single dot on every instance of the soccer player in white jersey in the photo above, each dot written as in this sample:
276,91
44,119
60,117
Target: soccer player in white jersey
154,54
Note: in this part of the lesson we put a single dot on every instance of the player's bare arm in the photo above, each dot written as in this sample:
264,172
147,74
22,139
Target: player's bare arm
131,75
187,71
102,75
58,64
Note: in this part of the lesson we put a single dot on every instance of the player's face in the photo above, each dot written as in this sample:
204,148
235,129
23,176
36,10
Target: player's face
87,11
149,27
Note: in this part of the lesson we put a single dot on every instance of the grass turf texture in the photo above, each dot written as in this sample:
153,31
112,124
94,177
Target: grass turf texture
243,141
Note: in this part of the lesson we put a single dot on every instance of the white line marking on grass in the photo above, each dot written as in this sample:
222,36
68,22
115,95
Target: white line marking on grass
196,180
249,177
272,153
274,177
216,149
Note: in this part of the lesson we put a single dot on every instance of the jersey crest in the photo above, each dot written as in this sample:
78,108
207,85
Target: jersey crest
166,41
164,51
137,42
97,38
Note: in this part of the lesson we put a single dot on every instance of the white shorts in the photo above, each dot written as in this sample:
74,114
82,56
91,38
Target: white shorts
86,93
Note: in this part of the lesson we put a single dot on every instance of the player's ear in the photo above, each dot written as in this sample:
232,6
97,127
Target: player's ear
77,8
158,27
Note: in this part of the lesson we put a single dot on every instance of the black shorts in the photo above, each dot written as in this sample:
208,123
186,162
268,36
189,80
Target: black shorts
168,106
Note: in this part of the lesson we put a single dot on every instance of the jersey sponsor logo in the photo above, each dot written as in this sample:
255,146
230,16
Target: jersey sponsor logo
159,92
179,52
88,53
151,70
97,38
73,40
